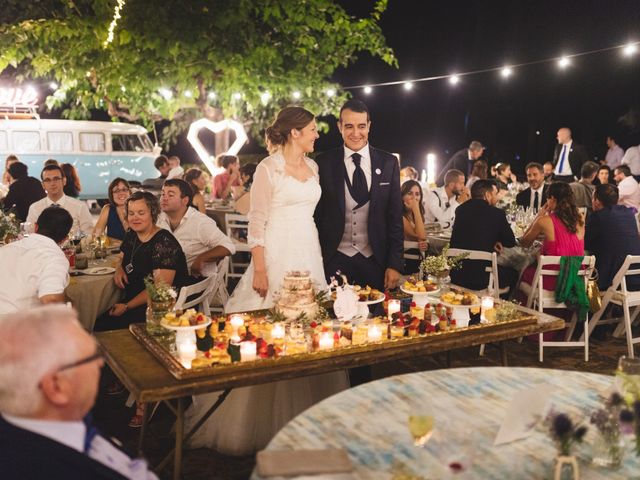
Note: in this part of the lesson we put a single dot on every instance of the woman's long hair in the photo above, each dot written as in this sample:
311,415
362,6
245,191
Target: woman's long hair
404,190
566,209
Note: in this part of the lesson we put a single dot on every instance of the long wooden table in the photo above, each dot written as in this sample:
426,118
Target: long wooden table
149,381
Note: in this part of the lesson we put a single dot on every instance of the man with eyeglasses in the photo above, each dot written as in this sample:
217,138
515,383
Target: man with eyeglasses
53,181
49,375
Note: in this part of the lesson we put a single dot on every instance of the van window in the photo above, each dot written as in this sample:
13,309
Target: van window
26,141
126,143
92,142
148,146
60,141
4,144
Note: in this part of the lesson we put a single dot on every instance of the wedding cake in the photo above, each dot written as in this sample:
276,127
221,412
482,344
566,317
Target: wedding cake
297,296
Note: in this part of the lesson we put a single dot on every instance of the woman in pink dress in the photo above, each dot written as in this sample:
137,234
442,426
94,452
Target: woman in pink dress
561,225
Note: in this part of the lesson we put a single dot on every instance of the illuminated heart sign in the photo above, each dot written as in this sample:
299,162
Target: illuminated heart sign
215,127
17,97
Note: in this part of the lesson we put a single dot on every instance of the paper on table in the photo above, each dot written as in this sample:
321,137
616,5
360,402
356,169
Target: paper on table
273,463
525,408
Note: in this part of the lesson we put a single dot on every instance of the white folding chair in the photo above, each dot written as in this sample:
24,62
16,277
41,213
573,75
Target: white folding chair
618,294
407,254
236,226
541,298
219,293
197,294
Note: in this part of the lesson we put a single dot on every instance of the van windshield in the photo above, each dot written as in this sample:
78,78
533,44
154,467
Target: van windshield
126,143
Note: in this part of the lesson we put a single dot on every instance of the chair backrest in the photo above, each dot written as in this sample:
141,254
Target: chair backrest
631,266
197,294
491,269
411,255
236,226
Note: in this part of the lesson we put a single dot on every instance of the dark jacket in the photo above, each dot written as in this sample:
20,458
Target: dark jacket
577,156
523,198
459,161
611,234
25,455
478,226
22,193
386,234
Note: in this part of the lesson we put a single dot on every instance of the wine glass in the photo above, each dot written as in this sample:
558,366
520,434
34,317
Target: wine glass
421,422
628,376
26,229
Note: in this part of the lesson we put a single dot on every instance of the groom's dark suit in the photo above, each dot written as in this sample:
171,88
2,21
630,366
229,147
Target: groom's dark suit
385,230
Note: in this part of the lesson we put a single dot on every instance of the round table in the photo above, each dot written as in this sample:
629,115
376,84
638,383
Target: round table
370,423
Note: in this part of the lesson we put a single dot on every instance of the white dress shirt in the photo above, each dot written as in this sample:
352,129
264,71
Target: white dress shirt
629,193
78,210
439,208
566,168
197,233
533,196
365,163
632,158
614,156
72,434
34,267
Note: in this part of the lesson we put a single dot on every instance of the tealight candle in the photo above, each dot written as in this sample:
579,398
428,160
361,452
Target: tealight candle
326,341
248,351
374,334
186,353
393,306
236,321
485,304
277,331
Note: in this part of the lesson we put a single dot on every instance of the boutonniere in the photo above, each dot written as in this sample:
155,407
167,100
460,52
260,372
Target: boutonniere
378,171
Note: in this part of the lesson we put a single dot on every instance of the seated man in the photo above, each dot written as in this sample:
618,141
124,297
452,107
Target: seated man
611,233
23,192
442,202
200,238
176,170
583,189
53,181
628,188
161,163
480,225
36,270
49,375
536,195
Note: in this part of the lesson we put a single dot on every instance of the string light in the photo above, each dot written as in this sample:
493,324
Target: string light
237,96
114,22
265,97
166,93
407,86
212,95
564,62
368,90
630,49
123,88
53,86
506,72
296,95
454,79
331,92
188,94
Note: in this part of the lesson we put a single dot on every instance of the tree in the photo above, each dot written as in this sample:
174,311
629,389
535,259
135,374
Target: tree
182,60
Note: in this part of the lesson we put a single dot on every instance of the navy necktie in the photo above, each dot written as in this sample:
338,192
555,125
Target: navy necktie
90,433
359,191
536,203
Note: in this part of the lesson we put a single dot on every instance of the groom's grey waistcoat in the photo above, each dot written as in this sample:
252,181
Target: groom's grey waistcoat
355,238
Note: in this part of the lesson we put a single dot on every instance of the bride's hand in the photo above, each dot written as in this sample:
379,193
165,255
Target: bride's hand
260,283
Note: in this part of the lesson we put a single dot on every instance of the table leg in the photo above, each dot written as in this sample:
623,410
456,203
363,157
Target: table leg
448,358
177,461
503,353
143,428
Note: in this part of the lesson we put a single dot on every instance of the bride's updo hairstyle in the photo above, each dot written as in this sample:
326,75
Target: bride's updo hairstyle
287,119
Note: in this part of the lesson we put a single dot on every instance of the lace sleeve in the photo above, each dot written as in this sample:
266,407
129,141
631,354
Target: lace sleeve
313,166
165,252
260,202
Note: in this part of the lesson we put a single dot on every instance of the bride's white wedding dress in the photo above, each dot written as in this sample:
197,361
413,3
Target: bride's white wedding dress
281,220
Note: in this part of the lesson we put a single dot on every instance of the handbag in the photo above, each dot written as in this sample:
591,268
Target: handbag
593,292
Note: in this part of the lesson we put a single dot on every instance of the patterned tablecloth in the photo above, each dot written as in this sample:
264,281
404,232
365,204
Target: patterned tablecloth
370,423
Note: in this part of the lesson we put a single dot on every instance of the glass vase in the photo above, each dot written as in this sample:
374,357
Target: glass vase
566,468
608,451
155,313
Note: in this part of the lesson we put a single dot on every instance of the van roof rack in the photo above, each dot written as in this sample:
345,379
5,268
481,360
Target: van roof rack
18,113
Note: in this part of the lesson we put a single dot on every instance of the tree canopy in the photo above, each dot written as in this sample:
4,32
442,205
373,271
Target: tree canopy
181,60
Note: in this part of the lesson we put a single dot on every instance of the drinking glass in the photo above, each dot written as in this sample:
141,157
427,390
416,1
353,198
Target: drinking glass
421,422
628,376
26,229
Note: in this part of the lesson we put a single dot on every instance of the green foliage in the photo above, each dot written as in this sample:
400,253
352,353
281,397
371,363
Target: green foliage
201,46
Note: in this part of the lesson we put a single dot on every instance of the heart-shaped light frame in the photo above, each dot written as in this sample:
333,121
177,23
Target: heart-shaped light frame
215,127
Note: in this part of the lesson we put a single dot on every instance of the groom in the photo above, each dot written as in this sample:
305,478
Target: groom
359,215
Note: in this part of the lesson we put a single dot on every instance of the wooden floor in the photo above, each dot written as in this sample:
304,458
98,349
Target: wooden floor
112,416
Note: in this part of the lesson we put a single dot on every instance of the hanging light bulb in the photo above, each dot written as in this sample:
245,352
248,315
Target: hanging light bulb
630,49
53,86
506,72
296,95
212,95
331,92
166,93
237,96
564,62
368,90
265,97
407,86
454,79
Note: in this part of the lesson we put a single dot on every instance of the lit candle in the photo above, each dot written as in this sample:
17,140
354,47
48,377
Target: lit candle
236,321
374,334
277,331
326,341
485,304
186,353
393,306
248,351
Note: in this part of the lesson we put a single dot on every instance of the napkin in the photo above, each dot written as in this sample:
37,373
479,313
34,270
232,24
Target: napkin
526,407
275,463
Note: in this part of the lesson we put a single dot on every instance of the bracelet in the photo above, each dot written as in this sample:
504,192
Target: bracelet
126,306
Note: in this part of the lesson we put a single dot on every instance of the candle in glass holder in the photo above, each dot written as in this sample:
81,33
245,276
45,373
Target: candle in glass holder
236,322
393,306
277,331
326,341
486,304
186,353
375,333
248,351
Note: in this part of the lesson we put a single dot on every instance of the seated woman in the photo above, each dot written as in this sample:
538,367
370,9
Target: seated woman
113,217
242,194
413,221
479,172
504,176
223,182
562,227
73,187
197,181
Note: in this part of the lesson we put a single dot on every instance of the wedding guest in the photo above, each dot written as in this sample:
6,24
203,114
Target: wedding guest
442,202
113,217
611,234
413,220
604,175
39,270
536,194
6,176
198,182
583,190
224,181
242,194
49,375
408,173
480,225
479,171
504,176
72,186
614,155
562,227
175,169
628,188
462,160
161,163
53,181
632,159
547,169
202,242
51,162
23,191
568,157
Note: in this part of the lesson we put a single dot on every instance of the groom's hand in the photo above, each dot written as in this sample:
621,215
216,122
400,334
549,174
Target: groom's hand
391,278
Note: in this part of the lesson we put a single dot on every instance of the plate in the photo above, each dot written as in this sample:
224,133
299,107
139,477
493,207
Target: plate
363,302
178,328
99,271
432,292
454,305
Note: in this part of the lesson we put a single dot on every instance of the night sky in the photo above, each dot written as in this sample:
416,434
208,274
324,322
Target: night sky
432,38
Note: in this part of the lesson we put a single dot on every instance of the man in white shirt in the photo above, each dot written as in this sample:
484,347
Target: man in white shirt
632,158
200,238
442,202
628,188
49,376
53,181
614,155
36,270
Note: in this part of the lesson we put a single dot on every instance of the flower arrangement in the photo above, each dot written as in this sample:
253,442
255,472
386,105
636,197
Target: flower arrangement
441,265
160,292
9,225
506,311
564,432
608,421
630,423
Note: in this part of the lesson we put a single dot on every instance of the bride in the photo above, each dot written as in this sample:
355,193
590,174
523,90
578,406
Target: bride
283,237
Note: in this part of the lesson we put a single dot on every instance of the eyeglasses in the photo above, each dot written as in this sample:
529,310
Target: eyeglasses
54,179
120,190
99,355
